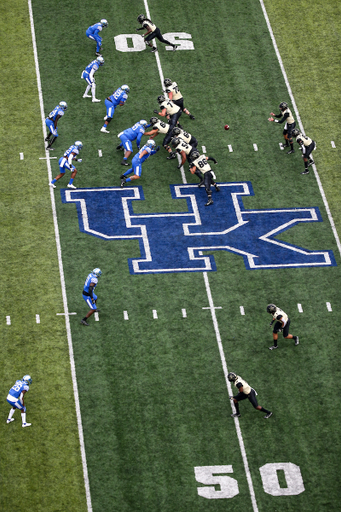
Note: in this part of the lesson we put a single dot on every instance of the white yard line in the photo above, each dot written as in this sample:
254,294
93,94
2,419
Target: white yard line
61,272
325,202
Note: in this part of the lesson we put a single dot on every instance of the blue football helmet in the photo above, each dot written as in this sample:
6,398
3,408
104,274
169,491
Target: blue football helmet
97,272
63,105
125,88
78,144
104,23
27,379
100,60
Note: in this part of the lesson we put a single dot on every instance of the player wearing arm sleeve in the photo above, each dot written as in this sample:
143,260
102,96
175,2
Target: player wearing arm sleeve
89,293
159,126
184,149
93,33
200,163
15,398
307,146
245,392
65,164
282,323
51,122
89,76
152,32
286,116
145,152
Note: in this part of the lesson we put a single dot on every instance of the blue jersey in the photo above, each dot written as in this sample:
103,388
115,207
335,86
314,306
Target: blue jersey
118,96
72,149
57,111
135,132
18,388
91,279
95,29
149,150
94,65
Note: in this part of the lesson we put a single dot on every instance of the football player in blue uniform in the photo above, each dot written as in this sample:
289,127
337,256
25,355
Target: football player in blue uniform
118,97
15,398
89,76
89,293
51,122
93,33
127,136
65,163
145,152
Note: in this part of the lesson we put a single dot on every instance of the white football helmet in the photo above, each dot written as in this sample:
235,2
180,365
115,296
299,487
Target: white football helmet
78,144
125,88
97,272
27,379
143,122
104,23
100,60
63,105
150,143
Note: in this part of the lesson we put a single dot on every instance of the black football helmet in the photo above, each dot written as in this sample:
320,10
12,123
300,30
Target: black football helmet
153,120
175,141
141,18
283,105
161,98
167,82
176,131
194,155
232,377
271,308
295,132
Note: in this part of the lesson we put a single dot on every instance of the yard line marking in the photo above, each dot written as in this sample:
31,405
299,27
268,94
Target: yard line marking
66,313
96,316
242,312
323,195
155,314
38,319
229,389
255,147
184,313
333,144
215,307
125,315
299,307
100,153
281,146
61,272
230,148
8,320
204,149
47,157
329,307
21,156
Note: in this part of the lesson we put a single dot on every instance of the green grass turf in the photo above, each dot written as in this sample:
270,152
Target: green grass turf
153,398
40,466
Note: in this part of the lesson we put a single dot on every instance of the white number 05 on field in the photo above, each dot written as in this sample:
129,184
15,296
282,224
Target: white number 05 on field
213,476
135,42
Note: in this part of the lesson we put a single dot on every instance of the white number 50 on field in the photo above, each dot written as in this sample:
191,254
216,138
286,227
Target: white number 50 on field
135,42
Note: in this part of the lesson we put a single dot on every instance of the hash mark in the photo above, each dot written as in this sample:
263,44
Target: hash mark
8,320
230,148
333,144
96,316
38,319
184,313
21,156
299,307
242,312
125,315
255,147
329,307
154,314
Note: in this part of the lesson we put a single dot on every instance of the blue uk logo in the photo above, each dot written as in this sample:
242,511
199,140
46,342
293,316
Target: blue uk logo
184,241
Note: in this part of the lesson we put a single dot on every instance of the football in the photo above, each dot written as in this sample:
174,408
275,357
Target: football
226,127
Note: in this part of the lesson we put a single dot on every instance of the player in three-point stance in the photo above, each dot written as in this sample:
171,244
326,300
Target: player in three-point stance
93,33
175,96
187,137
145,152
307,145
118,98
15,398
245,391
51,122
65,163
286,116
158,126
127,136
282,324
184,149
89,293
201,168
89,76
152,32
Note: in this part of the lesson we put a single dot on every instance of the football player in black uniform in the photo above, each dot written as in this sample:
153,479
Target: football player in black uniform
282,325
285,115
187,137
199,163
308,146
152,32
245,391
159,126
175,96
184,149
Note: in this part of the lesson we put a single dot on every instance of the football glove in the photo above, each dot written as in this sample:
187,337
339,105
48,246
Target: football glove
155,111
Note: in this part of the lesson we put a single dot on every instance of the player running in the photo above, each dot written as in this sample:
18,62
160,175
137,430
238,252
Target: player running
152,32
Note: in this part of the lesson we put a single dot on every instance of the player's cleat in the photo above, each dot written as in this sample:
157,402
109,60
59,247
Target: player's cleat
123,181
154,49
122,177
47,139
217,188
201,183
297,340
86,95
95,100
171,156
175,47
24,425
70,185
284,145
104,130
311,163
84,322
267,416
210,201
236,415
273,347
305,172
291,151
52,185
49,148
10,421
124,162
191,117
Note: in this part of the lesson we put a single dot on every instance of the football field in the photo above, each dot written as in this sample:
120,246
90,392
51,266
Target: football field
133,412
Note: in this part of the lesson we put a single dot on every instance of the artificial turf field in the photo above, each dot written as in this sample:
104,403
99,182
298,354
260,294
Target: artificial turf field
153,398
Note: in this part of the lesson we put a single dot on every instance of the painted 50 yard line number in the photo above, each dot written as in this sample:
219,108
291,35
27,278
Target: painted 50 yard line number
135,42
213,476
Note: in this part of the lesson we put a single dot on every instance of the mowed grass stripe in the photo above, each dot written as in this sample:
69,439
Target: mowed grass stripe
40,466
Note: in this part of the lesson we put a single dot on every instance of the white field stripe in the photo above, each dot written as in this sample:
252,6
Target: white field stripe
204,149
38,319
281,146
255,147
21,156
230,148
8,320
329,307
61,272
96,316
221,351
100,153
155,314
184,313
325,202
229,389
299,307
242,311
125,315
333,144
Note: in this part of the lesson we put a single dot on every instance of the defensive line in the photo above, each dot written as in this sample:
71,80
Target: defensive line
61,272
